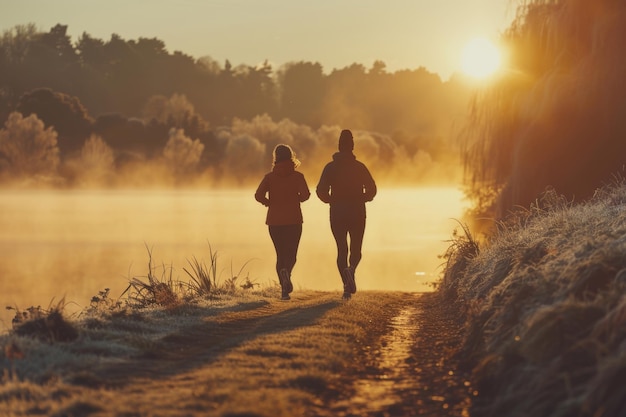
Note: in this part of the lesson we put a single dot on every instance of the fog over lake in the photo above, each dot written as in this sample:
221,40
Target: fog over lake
72,244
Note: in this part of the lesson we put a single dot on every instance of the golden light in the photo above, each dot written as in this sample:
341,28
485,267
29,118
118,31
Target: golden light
481,58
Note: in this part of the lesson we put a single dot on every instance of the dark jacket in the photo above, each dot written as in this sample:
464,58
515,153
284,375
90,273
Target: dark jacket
346,183
282,190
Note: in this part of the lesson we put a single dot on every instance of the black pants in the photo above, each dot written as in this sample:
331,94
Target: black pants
346,224
286,239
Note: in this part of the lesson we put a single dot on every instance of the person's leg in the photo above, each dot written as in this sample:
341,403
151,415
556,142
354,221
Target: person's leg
339,228
277,239
356,231
340,233
280,238
293,233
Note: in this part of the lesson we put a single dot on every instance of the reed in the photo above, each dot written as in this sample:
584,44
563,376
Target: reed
153,289
462,249
159,286
204,279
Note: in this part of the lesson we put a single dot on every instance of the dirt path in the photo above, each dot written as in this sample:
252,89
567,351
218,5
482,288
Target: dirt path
414,372
379,354
294,358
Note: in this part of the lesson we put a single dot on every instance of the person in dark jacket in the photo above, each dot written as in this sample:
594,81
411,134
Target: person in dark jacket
282,190
346,184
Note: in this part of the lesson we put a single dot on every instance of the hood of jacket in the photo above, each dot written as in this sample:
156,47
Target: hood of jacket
343,156
283,168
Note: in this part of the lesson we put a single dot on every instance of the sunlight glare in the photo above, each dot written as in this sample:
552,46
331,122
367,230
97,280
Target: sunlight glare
481,58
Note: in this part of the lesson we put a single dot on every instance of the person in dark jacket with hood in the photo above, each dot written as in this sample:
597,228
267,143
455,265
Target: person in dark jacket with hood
346,184
282,190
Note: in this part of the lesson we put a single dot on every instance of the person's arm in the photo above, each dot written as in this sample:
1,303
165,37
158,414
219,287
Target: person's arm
323,186
261,193
369,186
303,192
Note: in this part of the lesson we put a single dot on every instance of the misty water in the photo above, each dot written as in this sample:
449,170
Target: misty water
73,244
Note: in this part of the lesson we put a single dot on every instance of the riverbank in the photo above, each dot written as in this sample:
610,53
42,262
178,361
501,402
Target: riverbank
545,310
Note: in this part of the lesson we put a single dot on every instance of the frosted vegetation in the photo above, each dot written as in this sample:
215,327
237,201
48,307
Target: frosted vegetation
545,307
112,328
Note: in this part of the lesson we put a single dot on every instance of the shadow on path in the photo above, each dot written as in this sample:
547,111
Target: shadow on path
203,343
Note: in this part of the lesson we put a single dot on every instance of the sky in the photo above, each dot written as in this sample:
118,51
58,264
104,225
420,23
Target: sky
404,34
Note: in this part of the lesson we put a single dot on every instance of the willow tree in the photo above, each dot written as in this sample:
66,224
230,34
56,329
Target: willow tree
555,117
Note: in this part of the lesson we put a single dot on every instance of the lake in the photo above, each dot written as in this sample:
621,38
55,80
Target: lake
72,244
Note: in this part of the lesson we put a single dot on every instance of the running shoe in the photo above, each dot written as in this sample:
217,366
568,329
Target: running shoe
349,278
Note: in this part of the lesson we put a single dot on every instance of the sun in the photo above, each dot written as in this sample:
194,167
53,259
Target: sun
481,58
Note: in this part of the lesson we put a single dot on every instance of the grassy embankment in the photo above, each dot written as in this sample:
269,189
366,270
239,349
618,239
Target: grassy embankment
546,309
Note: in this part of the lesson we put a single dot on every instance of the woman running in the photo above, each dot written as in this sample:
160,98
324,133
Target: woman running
282,190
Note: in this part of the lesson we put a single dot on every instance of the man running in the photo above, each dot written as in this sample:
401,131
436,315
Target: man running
346,184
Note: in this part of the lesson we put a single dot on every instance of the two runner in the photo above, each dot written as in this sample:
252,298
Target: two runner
345,184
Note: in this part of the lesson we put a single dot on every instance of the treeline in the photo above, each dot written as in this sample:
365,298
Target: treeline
556,118
134,98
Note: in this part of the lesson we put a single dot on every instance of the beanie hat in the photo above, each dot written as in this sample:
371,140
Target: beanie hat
346,142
